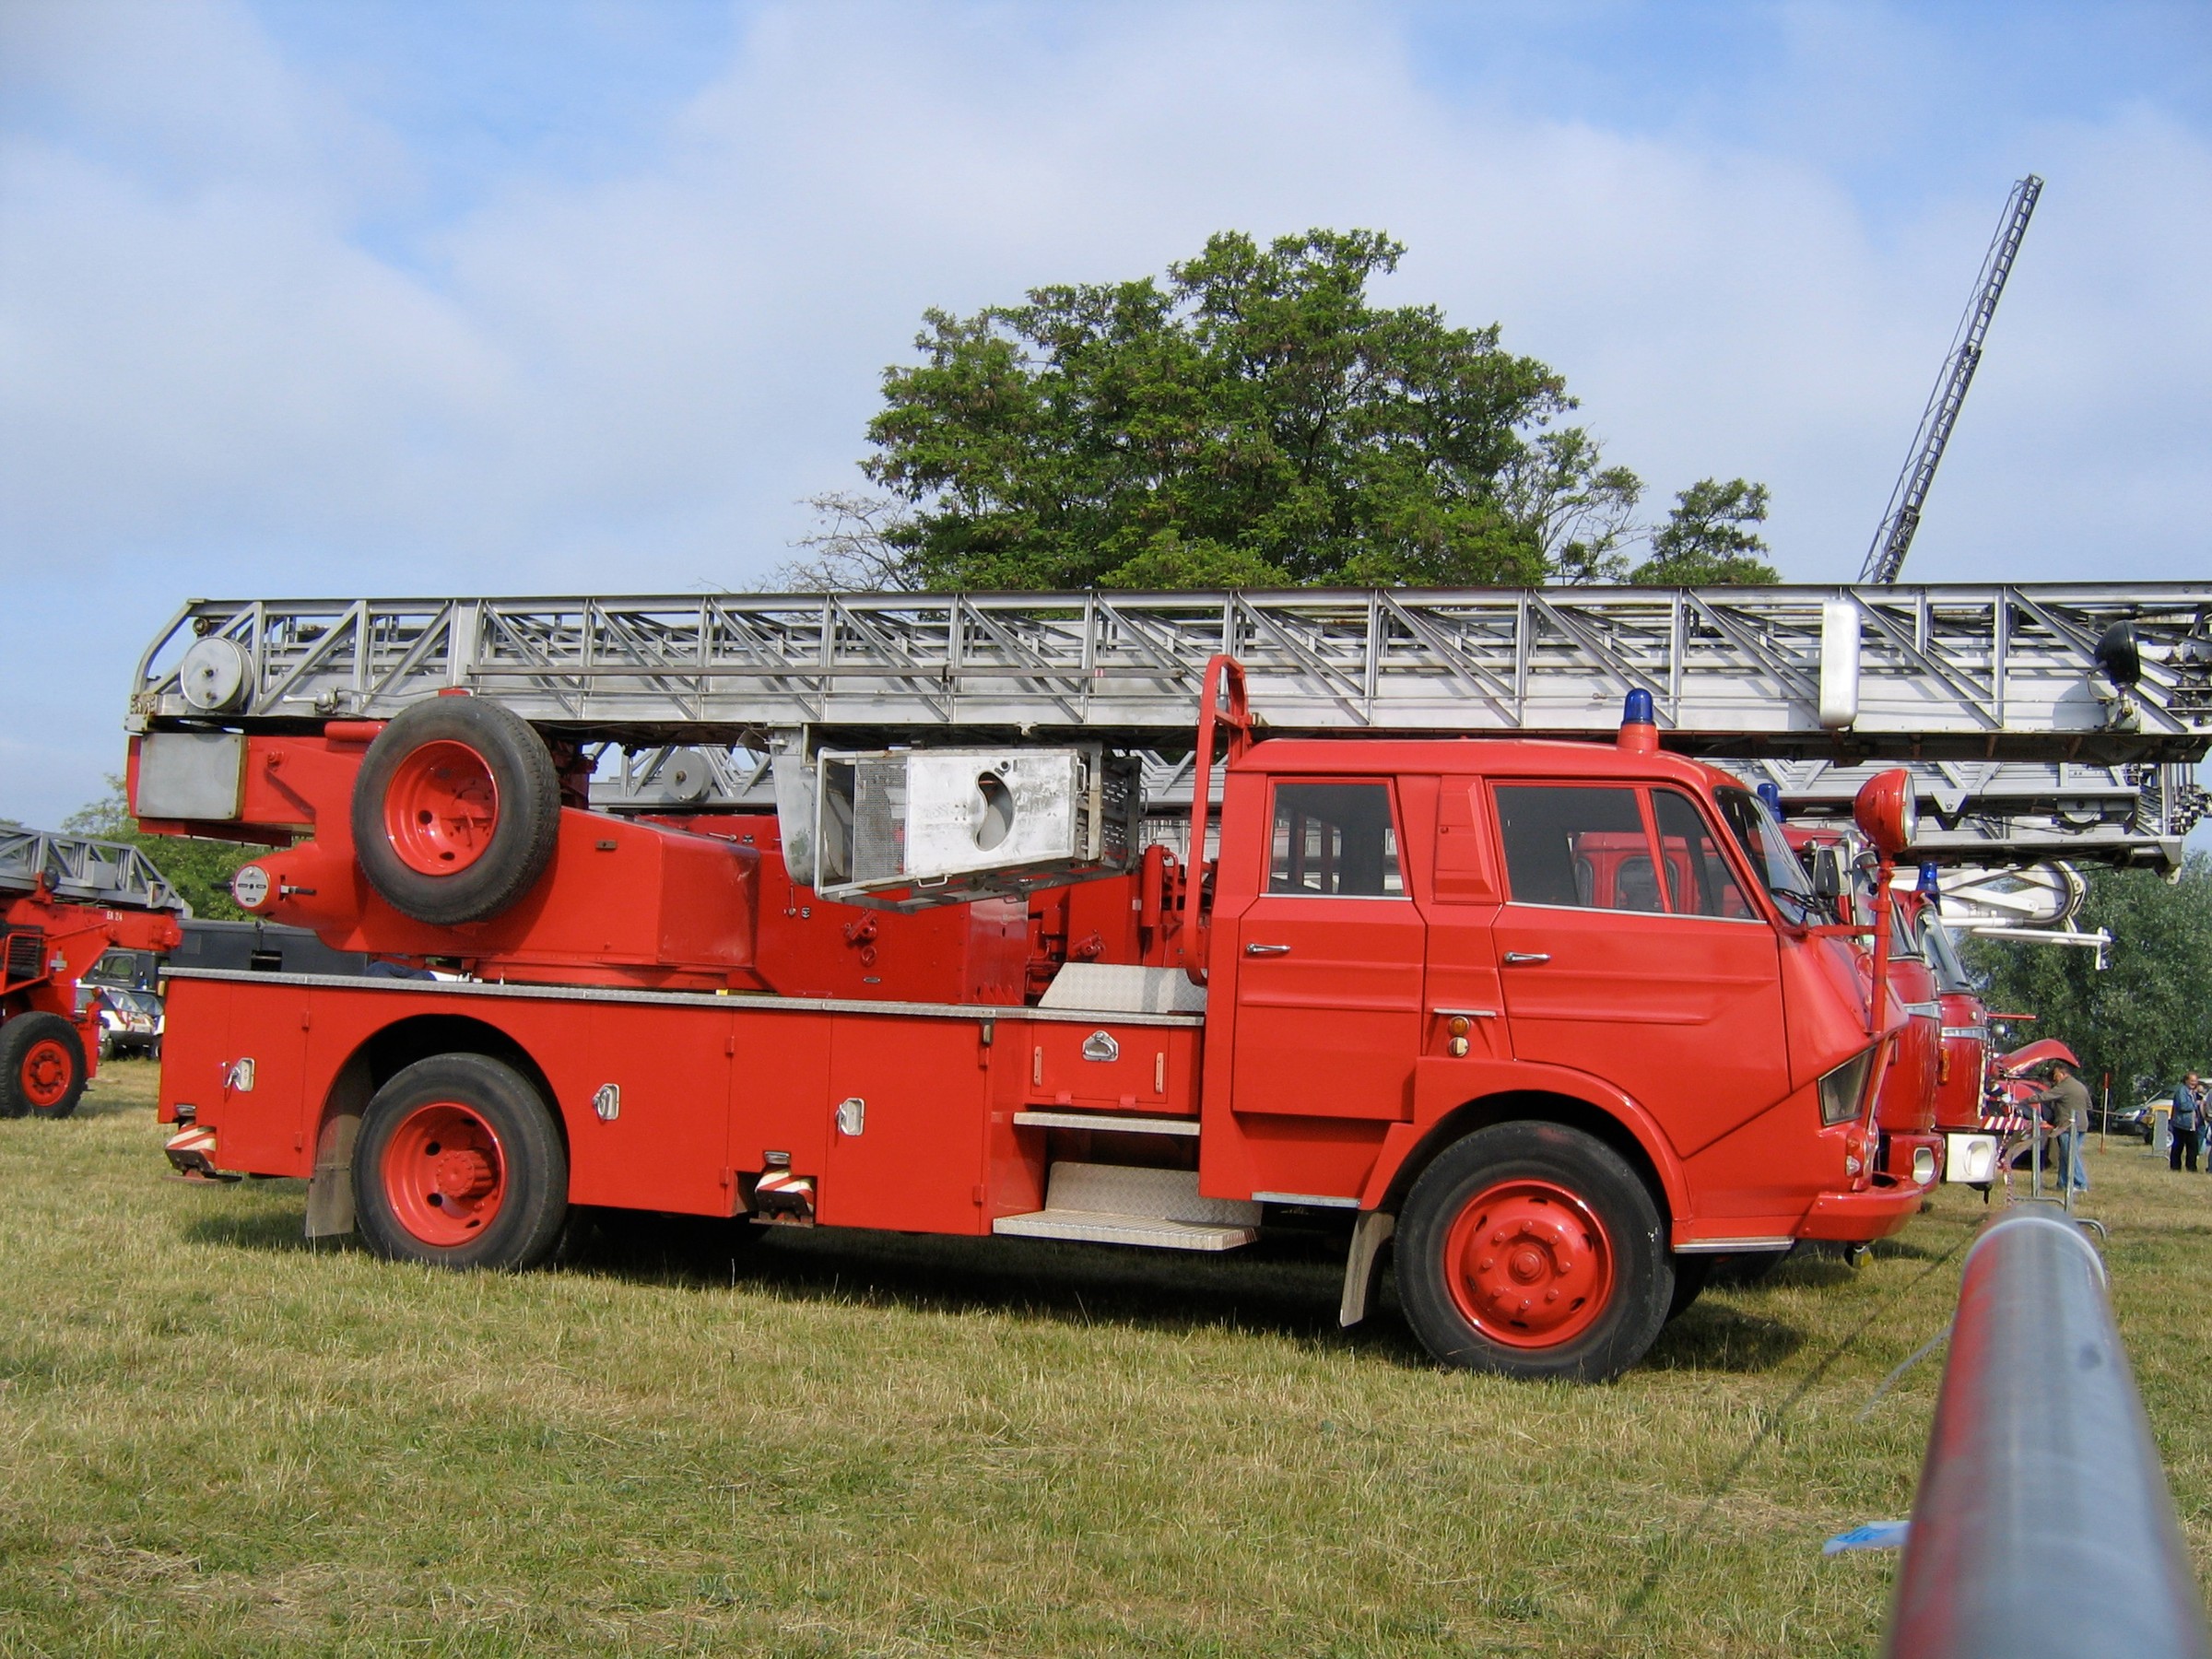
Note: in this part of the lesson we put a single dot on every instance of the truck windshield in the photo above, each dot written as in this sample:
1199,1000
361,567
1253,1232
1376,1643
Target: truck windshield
1770,853
1951,975
131,968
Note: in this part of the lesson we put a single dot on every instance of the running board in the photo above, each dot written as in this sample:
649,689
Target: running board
1118,1203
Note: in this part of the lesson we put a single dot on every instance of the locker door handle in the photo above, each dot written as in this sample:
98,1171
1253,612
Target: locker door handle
1524,958
1266,951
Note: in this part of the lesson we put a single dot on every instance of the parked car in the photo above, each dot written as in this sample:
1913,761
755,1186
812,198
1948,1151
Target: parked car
130,1022
2137,1120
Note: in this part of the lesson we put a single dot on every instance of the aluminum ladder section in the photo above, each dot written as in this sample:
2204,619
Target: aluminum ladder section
79,869
2024,747
1997,813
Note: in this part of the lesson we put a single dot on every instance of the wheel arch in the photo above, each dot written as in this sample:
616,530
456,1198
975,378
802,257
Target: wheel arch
1536,1105
374,1063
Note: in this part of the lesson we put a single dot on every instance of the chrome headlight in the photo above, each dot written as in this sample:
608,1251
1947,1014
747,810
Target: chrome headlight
1843,1090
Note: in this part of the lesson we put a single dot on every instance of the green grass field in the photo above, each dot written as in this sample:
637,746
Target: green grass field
215,1439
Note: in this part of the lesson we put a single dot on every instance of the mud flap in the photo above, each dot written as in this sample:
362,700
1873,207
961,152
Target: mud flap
330,1188
1362,1263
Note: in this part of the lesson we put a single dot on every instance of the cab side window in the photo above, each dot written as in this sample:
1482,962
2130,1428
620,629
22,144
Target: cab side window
1334,841
1584,847
1698,882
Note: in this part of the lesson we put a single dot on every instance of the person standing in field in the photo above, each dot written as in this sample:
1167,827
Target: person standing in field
2185,1127
2068,1099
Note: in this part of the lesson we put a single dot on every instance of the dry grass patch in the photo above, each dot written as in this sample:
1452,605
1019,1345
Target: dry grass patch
216,1438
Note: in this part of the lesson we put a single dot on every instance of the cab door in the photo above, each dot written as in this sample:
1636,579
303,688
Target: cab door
1628,949
1329,960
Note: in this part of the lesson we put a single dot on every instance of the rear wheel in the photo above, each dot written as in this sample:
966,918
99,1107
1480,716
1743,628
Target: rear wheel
458,1164
42,1066
1533,1250
456,810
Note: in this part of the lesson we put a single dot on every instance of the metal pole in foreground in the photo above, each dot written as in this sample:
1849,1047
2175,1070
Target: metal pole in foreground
2043,1525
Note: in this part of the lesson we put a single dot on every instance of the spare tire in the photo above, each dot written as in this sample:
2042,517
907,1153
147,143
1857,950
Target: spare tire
456,810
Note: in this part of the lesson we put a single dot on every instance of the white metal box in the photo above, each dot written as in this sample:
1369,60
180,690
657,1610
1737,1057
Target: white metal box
950,825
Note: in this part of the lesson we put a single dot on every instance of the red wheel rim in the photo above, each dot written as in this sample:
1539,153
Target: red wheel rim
445,1174
441,808
46,1072
1529,1265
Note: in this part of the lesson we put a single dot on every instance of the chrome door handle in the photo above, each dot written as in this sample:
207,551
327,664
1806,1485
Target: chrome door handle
1266,951
1519,959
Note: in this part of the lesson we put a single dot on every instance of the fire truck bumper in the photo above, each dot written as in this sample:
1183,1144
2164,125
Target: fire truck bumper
1861,1218
1972,1158
1913,1159
192,1154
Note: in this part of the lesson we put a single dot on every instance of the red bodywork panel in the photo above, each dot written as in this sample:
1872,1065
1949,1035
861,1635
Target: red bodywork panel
1348,1031
47,944
709,1084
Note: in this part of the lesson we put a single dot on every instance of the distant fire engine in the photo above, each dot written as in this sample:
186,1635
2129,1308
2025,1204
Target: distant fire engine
64,902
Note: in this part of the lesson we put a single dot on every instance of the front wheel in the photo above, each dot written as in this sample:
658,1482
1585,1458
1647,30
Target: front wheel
42,1066
458,1164
1532,1250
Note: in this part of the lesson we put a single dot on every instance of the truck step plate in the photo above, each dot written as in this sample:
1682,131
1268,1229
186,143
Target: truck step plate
1100,1227
1123,1204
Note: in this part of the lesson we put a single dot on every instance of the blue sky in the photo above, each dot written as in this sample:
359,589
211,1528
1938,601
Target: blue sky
386,296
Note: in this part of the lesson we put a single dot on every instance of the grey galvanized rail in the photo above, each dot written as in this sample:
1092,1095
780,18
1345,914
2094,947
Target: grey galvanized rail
2042,1528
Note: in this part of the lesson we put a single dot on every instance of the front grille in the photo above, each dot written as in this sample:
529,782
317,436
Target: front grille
24,956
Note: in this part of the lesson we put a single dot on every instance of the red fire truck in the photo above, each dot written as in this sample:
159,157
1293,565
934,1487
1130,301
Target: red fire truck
65,901
1552,1018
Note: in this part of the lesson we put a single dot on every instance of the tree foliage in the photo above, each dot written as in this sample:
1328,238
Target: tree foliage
1707,540
1253,419
2145,1018
200,870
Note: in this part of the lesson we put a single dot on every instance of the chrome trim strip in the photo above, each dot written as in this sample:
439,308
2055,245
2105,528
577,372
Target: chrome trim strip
1722,1247
1323,1200
1105,1120
731,1001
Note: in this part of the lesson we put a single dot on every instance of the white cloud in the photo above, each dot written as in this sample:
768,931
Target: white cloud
208,370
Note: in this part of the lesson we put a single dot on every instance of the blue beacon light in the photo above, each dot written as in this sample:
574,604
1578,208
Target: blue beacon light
1639,732
1770,793
1931,884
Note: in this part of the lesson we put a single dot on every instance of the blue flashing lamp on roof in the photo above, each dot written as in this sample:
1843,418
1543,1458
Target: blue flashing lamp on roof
1638,731
1931,883
1770,793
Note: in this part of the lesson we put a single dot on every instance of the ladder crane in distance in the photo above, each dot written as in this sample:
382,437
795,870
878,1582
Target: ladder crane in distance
1886,557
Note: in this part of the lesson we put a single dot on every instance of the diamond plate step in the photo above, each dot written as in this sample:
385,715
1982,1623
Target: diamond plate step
1119,1204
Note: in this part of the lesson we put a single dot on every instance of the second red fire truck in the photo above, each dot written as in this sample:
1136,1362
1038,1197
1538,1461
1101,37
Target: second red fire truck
64,902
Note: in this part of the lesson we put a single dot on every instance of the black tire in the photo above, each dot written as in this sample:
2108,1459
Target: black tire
521,841
1740,1269
1690,1275
1613,1334
42,1066
532,1162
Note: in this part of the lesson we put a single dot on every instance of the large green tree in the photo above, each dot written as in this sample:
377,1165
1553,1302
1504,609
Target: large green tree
200,870
1707,541
1253,419
2145,1018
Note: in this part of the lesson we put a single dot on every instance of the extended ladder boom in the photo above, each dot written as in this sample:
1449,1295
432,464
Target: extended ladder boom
2023,745
1886,557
